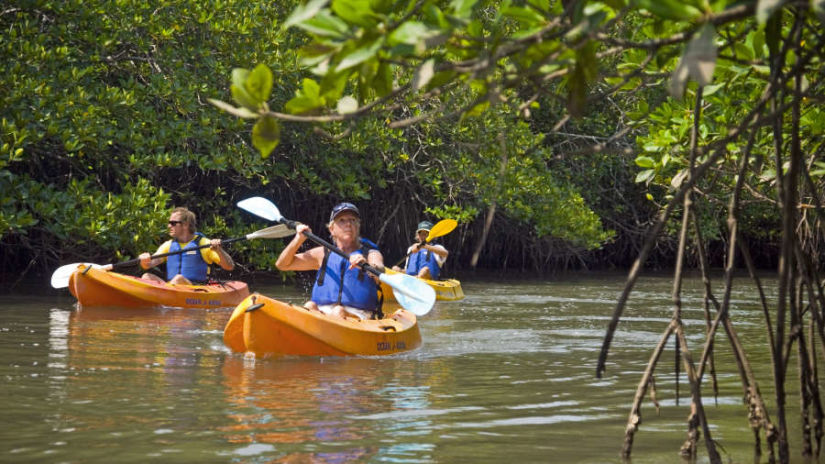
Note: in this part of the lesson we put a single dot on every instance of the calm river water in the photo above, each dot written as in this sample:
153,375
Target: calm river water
506,375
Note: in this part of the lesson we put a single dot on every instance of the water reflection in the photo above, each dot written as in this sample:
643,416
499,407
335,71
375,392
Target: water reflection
304,403
58,338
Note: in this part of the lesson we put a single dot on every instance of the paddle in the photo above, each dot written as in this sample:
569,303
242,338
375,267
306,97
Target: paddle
440,229
60,277
412,294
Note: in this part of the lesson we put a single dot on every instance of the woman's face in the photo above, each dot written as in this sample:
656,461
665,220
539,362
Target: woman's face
345,226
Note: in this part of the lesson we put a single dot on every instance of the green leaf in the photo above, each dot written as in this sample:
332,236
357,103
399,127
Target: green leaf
382,82
311,89
266,135
240,95
711,89
462,8
259,83
239,76
239,112
645,162
478,109
239,92
645,175
306,99
758,43
325,25
356,12
527,16
301,105
409,32
361,54
435,16
541,5
304,12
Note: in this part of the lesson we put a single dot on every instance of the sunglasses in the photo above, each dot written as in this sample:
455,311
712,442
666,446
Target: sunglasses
174,223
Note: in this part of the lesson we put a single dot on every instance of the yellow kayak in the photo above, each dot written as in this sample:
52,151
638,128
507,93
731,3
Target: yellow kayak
266,326
445,290
97,287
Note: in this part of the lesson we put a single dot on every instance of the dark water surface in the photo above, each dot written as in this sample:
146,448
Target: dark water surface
506,375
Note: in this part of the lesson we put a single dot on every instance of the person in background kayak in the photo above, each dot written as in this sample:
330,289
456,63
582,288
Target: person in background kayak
424,259
355,294
191,267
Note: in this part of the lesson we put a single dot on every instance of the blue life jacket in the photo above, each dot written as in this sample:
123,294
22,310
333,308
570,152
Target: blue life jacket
189,264
421,259
359,289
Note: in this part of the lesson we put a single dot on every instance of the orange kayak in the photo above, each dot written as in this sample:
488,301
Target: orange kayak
445,290
97,287
266,326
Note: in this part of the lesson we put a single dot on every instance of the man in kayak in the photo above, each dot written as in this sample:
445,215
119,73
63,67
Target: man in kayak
189,267
424,259
356,294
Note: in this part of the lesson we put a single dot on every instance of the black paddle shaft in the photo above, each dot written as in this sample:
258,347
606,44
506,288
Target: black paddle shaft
293,225
183,250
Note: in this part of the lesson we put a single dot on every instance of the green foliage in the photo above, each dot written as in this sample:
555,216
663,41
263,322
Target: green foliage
106,124
424,100
82,218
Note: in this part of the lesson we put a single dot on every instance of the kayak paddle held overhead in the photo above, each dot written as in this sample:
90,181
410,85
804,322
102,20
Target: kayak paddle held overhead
60,277
411,293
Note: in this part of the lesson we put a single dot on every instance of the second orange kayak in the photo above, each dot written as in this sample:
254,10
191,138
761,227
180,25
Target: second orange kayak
266,326
97,287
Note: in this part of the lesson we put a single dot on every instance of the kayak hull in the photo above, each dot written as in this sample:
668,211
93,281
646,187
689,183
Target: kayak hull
445,290
265,326
96,287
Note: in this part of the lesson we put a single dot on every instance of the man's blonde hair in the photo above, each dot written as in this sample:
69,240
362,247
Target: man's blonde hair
188,217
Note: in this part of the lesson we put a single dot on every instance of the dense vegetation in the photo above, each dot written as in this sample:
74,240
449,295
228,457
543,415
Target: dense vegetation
107,126
559,134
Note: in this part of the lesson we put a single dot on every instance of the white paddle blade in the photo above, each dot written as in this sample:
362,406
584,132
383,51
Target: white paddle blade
60,277
279,231
412,294
262,207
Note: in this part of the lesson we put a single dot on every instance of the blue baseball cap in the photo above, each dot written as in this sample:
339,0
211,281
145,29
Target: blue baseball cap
343,207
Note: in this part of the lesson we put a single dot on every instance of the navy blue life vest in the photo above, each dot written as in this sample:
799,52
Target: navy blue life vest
359,289
421,259
189,264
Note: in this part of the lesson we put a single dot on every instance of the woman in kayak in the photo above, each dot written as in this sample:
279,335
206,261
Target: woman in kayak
190,267
355,294
424,259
